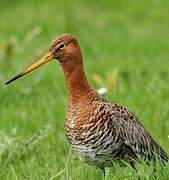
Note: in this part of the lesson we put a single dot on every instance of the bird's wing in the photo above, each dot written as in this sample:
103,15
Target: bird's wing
133,134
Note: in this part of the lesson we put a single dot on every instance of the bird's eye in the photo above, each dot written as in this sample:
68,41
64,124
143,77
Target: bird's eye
61,46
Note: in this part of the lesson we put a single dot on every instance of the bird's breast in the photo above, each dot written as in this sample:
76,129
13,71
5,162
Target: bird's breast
89,131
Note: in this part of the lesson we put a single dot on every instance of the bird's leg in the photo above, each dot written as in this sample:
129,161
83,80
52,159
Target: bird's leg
105,173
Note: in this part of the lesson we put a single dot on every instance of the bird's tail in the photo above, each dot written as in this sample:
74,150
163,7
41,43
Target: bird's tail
160,153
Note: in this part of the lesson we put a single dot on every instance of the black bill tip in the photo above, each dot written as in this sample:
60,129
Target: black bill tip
13,79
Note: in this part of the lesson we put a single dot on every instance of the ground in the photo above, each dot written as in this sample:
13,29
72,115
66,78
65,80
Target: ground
126,49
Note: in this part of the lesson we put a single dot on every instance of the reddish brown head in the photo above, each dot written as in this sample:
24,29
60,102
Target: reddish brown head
64,48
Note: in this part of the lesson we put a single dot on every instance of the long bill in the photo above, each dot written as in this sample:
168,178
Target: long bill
48,57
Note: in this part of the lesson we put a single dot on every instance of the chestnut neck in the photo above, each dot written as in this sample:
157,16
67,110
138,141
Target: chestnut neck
77,84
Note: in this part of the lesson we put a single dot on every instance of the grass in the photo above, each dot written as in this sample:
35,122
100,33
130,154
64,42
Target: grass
125,43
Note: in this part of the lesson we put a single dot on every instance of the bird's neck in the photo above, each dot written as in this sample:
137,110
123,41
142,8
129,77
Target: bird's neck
77,84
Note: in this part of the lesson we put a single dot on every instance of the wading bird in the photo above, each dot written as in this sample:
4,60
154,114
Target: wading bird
99,131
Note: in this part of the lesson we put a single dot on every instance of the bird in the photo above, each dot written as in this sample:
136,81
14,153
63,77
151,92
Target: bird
100,132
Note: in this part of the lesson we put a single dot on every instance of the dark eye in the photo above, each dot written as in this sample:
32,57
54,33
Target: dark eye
61,46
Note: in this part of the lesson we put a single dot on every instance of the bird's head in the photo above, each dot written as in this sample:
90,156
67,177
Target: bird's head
64,48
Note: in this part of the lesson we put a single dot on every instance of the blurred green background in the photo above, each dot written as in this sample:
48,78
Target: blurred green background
125,48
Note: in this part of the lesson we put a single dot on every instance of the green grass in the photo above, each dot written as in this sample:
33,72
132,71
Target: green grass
129,39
